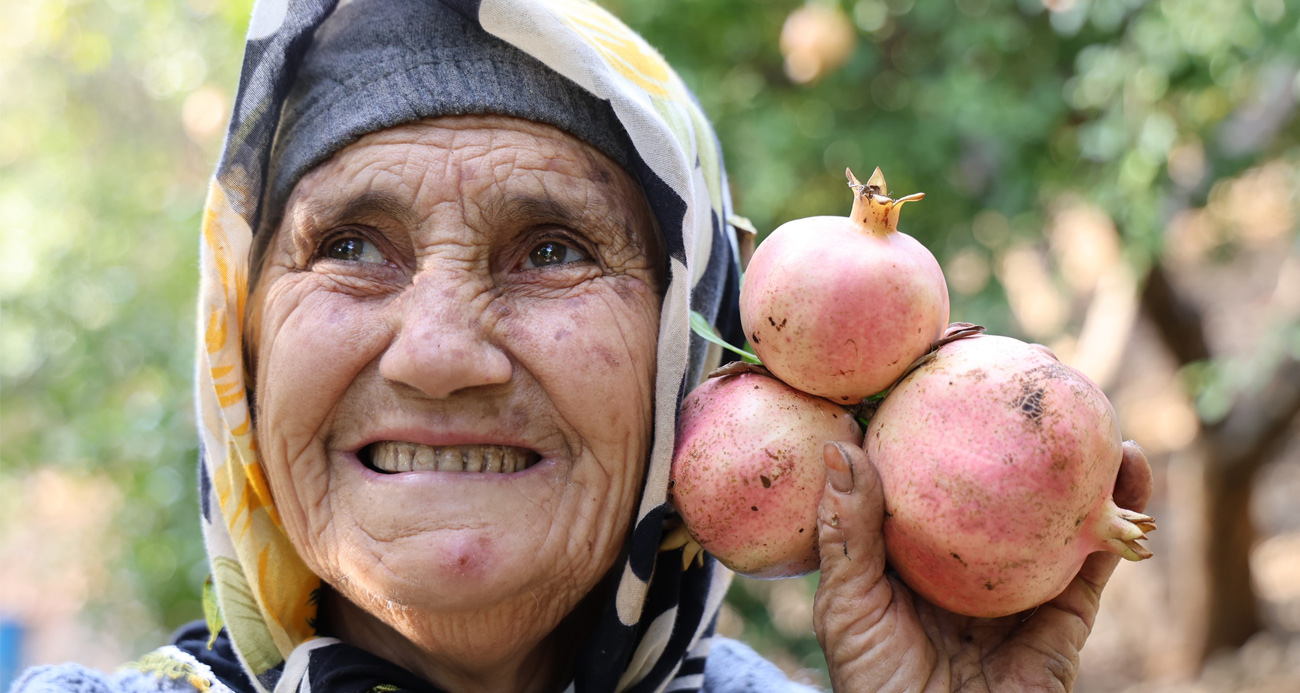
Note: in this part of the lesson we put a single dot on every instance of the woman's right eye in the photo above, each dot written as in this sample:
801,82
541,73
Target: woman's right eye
353,249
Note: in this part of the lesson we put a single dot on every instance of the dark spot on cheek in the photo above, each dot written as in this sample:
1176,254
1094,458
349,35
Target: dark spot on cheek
562,333
627,290
606,356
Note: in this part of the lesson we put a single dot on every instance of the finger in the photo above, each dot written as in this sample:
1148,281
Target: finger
866,637
1132,492
1133,484
850,517
852,593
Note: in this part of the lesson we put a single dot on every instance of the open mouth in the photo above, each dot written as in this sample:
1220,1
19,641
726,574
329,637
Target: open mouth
392,457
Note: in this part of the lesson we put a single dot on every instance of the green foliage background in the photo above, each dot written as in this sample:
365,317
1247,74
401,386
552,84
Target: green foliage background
988,106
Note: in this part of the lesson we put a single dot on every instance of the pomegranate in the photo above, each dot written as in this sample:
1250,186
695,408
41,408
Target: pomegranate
998,464
748,471
841,306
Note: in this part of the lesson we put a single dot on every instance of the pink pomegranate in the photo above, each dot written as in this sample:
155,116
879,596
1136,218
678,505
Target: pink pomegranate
998,464
748,471
841,306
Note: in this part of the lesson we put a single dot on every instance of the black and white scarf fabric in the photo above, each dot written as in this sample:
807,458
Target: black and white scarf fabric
655,631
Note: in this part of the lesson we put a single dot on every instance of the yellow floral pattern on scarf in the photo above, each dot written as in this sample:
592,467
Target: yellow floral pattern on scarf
280,607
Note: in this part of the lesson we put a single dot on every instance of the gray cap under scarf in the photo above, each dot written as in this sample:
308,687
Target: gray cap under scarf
373,65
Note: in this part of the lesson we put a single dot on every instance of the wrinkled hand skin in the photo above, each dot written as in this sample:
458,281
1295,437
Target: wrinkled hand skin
879,636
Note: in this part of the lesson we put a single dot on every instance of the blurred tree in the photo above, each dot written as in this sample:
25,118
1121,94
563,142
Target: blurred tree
1072,152
113,114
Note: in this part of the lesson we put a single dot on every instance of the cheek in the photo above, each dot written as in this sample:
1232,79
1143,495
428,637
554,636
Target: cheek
593,354
310,351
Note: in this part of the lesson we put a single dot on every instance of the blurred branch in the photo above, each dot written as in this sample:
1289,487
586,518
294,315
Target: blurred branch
1177,320
1244,439
1254,427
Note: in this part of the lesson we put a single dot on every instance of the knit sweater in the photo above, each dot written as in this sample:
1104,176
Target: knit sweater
732,667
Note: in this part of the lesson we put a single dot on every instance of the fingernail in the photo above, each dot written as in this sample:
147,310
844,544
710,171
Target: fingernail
839,470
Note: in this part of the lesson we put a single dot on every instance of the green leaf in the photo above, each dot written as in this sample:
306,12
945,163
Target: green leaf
700,325
212,610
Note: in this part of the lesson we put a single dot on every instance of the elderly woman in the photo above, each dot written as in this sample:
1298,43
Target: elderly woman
448,260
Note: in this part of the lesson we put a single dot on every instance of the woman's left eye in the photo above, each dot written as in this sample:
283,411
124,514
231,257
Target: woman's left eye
354,249
549,253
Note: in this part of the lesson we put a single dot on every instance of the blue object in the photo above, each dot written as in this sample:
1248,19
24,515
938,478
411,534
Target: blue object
11,650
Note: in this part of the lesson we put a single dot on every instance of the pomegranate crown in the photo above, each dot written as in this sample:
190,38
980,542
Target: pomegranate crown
873,208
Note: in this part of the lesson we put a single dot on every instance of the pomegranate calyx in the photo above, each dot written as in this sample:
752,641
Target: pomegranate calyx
956,331
738,367
873,209
1122,529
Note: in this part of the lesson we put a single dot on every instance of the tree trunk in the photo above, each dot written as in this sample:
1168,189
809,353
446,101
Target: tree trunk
1233,614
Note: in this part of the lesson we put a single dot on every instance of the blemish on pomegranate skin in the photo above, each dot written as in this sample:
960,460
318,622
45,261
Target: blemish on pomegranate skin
988,586
1030,404
754,508
767,483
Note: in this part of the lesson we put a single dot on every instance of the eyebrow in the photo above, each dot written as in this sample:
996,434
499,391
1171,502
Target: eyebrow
524,208
368,204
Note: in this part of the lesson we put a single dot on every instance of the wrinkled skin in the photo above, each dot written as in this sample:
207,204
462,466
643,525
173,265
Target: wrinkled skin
400,299
879,636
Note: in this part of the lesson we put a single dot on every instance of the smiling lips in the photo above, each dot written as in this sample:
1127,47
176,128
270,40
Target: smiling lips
391,457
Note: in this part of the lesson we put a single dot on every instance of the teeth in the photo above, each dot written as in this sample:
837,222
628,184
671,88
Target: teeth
450,460
473,458
393,457
405,455
492,455
424,458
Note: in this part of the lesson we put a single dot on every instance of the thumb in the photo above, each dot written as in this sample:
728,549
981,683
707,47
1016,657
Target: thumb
852,544
852,510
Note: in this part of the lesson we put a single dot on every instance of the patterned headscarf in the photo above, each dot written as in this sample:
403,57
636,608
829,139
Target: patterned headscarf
655,632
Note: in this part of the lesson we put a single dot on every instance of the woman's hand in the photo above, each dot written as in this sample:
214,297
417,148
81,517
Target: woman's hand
879,636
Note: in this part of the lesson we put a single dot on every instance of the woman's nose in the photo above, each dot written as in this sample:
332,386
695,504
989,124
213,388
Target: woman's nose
443,343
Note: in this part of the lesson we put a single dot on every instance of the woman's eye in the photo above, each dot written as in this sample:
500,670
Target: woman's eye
552,253
354,249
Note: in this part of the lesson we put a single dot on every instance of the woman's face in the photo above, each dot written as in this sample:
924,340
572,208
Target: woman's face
453,340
